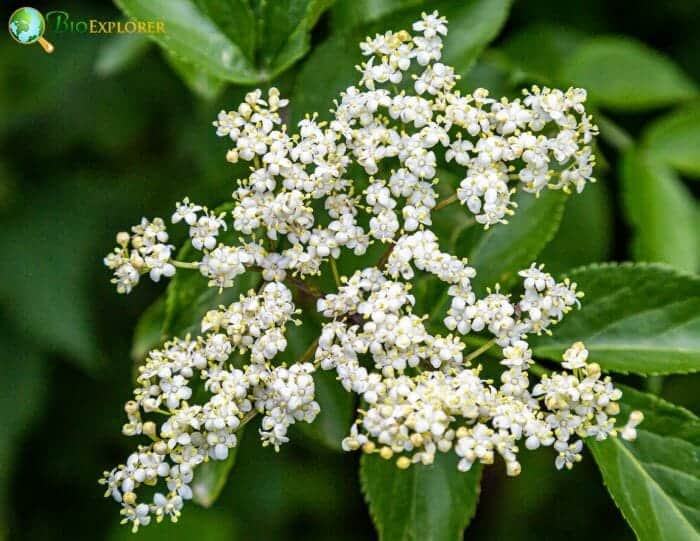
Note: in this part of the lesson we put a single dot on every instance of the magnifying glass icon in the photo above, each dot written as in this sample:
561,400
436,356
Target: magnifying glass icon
27,26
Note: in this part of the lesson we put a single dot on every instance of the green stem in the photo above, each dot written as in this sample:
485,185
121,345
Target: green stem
336,276
445,202
308,289
483,349
385,256
310,352
185,264
247,417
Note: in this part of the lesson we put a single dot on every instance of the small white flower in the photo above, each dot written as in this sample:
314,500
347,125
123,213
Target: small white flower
186,211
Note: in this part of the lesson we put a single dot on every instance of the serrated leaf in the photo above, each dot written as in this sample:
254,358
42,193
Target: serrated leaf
191,36
231,41
655,480
625,75
674,139
639,318
662,212
500,252
422,503
329,69
210,478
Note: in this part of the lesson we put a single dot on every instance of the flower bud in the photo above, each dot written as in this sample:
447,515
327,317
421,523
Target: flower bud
613,408
386,453
593,370
403,462
368,447
131,407
123,238
160,447
636,417
149,429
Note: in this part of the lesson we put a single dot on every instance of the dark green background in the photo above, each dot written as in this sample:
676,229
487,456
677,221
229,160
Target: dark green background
84,156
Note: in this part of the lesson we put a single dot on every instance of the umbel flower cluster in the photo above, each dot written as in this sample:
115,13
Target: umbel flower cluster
367,176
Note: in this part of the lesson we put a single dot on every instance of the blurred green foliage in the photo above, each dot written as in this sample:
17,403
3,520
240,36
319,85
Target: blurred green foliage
104,131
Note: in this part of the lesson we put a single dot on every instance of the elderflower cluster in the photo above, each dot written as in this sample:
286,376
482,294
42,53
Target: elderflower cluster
367,176
185,434
423,394
397,132
148,254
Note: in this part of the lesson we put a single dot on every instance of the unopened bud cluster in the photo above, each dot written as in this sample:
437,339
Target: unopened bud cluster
369,175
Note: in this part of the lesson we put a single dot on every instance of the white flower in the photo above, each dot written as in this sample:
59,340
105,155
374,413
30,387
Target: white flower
186,211
629,431
431,25
223,264
569,454
575,357
204,231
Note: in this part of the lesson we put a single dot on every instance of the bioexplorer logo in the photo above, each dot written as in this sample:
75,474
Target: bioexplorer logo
27,26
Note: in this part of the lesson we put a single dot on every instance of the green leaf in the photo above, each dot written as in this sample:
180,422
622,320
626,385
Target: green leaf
662,212
474,24
639,318
120,52
675,139
197,80
337,405
422,503
337,412
329,69
584,233
499,252
147,334
210,478
236,18
625,75
193,37
541,50
286,28
347,14
229,40
502,250
655,480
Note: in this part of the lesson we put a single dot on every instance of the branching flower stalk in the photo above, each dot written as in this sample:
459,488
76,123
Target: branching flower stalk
373,170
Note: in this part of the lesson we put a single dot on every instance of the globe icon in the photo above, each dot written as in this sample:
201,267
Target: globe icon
27,25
